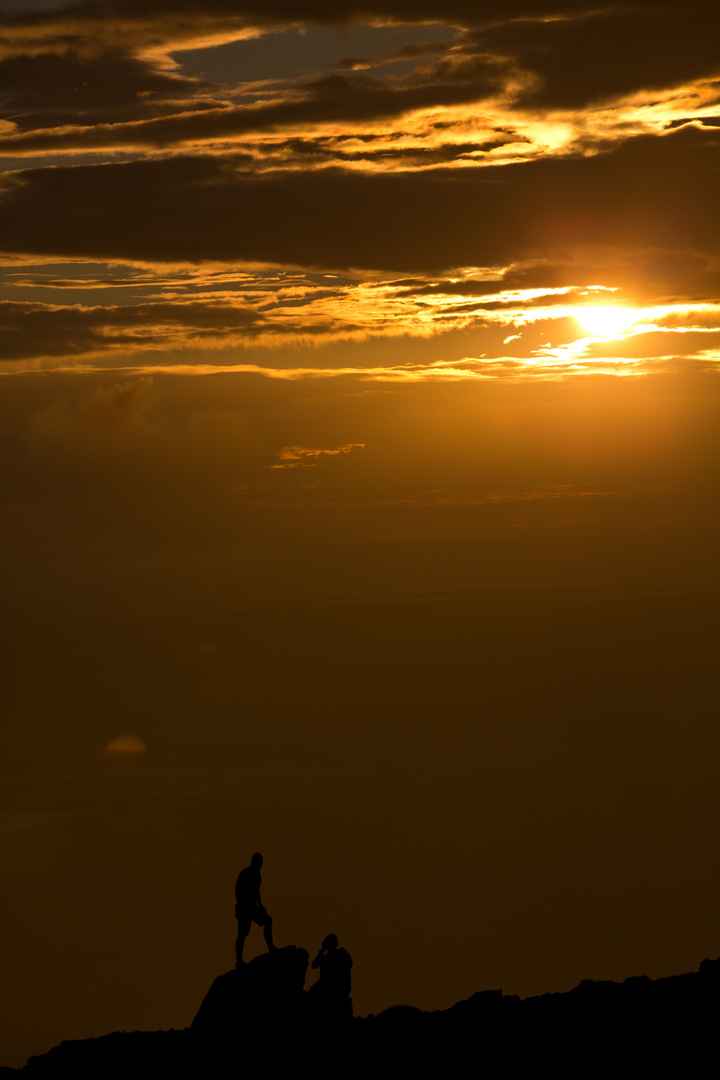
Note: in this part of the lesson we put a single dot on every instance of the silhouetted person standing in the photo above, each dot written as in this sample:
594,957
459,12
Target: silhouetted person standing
249,907
332,990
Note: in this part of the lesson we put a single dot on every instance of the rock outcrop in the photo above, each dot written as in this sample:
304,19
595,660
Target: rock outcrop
267,991
258,1022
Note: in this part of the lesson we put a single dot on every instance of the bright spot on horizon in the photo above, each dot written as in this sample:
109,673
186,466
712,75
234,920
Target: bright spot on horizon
605,321
126,744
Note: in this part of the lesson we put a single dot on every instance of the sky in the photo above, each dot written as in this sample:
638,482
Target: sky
360,419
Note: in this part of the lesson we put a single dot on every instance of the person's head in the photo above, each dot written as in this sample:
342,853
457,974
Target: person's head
330,943
256,861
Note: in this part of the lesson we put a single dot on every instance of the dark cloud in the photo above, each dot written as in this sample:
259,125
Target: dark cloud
405,52
330,98
50,90
36,330
569,43
69,88
649,194
187,15
309,151
648,277
584,59
116,442
603,55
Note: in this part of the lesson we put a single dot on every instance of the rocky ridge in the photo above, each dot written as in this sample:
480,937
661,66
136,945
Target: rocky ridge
261,1020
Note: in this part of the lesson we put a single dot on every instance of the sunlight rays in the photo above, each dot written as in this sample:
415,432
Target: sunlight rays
605,321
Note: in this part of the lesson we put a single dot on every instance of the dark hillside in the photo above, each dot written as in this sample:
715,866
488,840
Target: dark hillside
262,1021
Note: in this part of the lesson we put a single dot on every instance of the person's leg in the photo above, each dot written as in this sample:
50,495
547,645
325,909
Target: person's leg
267,932
243,931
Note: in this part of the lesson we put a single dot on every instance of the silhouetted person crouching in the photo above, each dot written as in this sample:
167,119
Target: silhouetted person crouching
249,907
331,993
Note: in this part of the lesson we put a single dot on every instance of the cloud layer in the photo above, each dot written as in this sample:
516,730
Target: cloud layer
505,153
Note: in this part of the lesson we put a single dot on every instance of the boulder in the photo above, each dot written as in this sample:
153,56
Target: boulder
264,992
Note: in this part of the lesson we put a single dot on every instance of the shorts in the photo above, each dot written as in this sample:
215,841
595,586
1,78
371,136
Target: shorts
247,917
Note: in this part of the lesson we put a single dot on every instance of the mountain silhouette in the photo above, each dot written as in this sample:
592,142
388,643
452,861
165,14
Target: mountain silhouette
259,1021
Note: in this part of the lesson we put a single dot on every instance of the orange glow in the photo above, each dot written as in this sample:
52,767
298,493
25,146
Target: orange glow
126,744
605,321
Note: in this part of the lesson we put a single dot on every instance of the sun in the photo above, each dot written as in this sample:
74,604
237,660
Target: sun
126,744
605,321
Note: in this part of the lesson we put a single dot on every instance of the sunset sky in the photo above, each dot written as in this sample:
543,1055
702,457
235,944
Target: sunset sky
360,420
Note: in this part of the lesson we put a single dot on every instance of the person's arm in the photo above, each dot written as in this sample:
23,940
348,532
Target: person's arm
318,958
